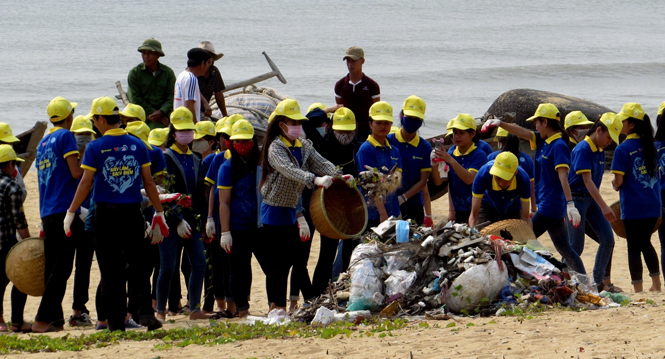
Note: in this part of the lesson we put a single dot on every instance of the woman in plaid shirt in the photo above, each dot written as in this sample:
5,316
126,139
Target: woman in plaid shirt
288,165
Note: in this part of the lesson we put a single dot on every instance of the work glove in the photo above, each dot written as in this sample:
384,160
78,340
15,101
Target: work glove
401,199
158,228
490,125
348,179
304,229
324,181
226,242
573,214
428,222
169,197
146,229
84,214
184,230
210,228
69,218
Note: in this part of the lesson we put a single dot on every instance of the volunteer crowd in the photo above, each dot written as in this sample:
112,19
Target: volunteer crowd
139,186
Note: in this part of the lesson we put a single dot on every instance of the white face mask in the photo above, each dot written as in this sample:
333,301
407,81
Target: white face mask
200,146
322,131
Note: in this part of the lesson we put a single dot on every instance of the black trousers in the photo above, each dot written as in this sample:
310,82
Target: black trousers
121,250
284,246
246,242
489,213
85,248
299,272
638,237
213,283
350,244
17,297
324,266
412,210
59,260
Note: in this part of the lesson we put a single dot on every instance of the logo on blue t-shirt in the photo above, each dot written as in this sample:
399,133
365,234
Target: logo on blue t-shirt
642,175
120,174
46,163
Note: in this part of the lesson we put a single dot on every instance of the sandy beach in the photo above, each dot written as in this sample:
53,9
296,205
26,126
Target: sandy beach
630,332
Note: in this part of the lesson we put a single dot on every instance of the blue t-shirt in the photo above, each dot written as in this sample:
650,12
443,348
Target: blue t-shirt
660,147
186,159
373,154
503,200
415,159
57,187
116,158
485,147
640,193
526,162
460,192
551,154
586,157
243,197
157,162
213,169
207,162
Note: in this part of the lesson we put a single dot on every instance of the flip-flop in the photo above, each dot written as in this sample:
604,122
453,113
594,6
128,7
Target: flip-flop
225,314
18,328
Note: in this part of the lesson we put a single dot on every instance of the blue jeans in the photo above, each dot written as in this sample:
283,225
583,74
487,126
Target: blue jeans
558,231
593,216
167,255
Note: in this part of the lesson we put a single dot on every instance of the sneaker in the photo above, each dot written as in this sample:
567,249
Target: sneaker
151,322
101,326
82,320
131,324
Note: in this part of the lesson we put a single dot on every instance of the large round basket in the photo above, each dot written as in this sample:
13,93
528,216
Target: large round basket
518,229
25,266
338,212
618,226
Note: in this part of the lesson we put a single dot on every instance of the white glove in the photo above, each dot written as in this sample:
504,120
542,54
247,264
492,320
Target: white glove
304,229
210,228
401,199
69,218
226,242
84,214
324,181
573,214
348,178
158,228
490,124
184,230
170,197
147,230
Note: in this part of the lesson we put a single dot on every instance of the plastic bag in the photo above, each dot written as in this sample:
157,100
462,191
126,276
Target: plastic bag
366,287
351,316
402,231
399,282
395,261
365,250
585,283
323,316
277,316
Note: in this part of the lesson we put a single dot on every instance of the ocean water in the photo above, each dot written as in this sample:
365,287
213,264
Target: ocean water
457,55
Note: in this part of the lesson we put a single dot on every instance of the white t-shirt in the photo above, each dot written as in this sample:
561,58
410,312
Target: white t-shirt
186,89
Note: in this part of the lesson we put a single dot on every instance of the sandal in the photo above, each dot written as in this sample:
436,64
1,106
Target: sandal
613,289
225,314
184,309
216,316
21,327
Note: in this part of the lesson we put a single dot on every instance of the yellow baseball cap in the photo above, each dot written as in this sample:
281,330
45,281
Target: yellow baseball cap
6,134
505,165
393,129
344,120
204,128
546,110
7,154
576,118
501,132
228,124
140,130
614,125
158,136
631,109
381,111
464,122
414,106
182,119
290,109
242,130
134,111
661,108
316,105
104,106
449,127
82,124
220,124
59,108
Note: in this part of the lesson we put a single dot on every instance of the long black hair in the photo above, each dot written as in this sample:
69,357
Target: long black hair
239,167
644,129
555,125
272,132
597,124
511,144
660,131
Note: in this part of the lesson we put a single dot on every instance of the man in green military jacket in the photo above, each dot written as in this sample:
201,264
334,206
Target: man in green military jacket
151,85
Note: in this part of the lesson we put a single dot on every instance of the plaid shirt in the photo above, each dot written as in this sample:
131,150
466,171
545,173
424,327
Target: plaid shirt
11,209
286,182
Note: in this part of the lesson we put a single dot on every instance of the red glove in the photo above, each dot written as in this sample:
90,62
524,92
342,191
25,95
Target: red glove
168,198
158,229
428,221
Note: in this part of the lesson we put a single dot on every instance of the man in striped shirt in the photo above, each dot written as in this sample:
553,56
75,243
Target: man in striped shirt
187,91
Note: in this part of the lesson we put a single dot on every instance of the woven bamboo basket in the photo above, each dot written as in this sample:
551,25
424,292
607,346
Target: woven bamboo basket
618,226
519,229
338,212
25,266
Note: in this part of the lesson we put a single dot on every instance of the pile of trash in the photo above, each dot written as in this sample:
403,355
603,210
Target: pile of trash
404,270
